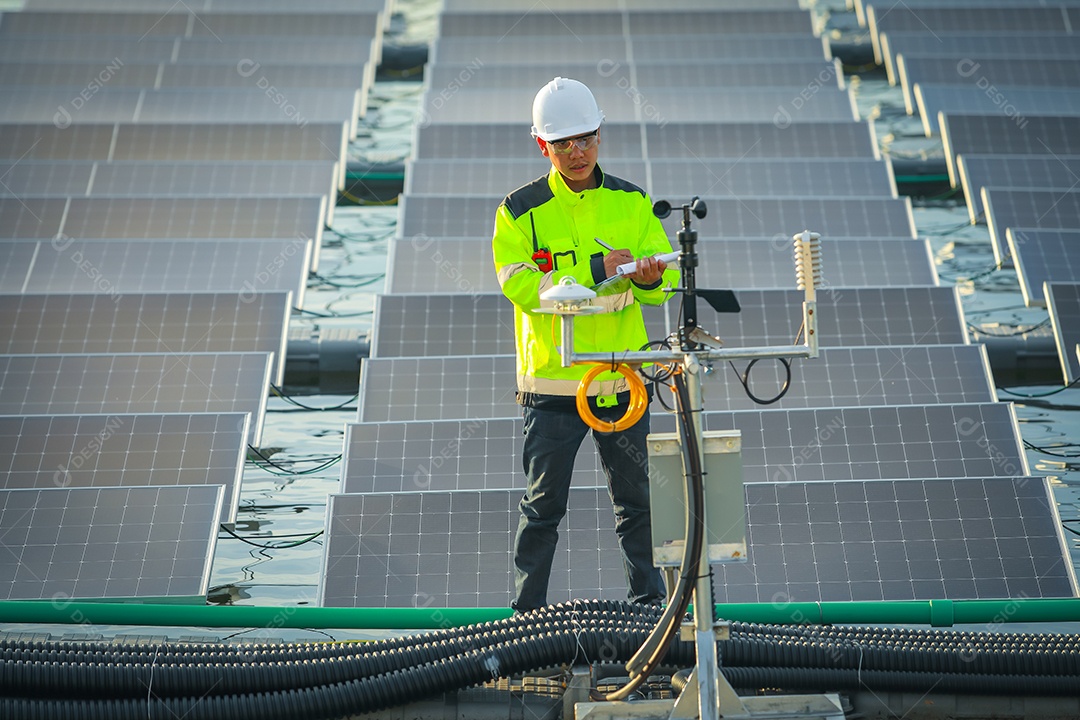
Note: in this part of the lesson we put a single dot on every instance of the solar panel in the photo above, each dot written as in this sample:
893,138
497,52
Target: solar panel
74,451
976,44
449,388
644,49
881,18
23,178
1014,171
109,543
492,177
281,76
703,73
658,106
78,75
1010,207
892,540
798,140
185,23
998,134
15,262
178,322
136,383
860,5
872,443
1063,302
483,324
462,265
489,6
471,216
203,6
113,267
983,72
104,50
544,22
1043,256
1016,103
778,446
704,176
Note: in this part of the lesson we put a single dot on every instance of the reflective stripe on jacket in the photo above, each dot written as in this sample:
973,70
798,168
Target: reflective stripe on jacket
566,223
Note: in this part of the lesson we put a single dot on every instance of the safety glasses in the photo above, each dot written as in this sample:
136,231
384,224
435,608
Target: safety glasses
584,142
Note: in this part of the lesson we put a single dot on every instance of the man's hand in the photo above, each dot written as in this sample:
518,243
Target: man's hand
648,271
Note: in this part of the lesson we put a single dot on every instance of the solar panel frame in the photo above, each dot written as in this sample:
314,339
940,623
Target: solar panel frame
1018,207
510,24
455,324
148,322
997,134
46,451
1041,256
109,543
1014,171
484,386
390,550
1063,305
1016,103
431,216
136,383
188,24
210,6
424,265
112,266
916,441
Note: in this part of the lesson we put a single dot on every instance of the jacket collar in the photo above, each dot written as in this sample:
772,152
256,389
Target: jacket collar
564,194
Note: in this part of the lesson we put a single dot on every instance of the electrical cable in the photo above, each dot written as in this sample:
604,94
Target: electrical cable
1046,451
292,401
744,380
975,328
286,472
1039,395
282,546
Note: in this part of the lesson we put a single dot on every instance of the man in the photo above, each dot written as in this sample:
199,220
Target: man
564,224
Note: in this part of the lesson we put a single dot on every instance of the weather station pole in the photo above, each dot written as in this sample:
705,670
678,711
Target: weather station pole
689,352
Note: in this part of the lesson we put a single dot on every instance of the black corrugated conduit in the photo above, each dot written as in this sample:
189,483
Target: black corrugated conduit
103,680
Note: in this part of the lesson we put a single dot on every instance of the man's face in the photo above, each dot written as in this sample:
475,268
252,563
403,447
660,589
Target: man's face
574,162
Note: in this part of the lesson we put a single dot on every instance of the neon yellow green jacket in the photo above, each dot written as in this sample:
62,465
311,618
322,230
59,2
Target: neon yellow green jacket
567,223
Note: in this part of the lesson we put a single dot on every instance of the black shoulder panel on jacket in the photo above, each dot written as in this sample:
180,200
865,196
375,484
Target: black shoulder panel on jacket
616,183
527,197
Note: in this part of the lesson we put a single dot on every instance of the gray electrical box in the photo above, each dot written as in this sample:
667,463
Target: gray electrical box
725,501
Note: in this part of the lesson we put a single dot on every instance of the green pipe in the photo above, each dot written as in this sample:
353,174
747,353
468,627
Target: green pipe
935,613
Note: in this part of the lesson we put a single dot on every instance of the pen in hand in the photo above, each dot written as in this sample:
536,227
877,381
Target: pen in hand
603,244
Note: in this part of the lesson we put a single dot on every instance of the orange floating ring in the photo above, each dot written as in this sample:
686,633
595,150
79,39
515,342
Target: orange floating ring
639,399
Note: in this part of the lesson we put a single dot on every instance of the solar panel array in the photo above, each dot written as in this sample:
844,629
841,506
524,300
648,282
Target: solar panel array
1039,172
894,426
1042,256
166,172
960,45
1018,207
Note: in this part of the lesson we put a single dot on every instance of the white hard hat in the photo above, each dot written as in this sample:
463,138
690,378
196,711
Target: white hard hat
564,108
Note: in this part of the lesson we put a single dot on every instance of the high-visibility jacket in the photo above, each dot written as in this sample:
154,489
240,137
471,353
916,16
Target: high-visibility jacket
548,215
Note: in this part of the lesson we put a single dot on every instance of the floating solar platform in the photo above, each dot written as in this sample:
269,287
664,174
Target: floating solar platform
169,142
188,105
464,265
1001,135
960,45
671,142
642,49
1013,207
149,544
716,22
175,179
882,17
1041,256
483,324
136,383
1063,302
434,216
784,106
113,267
957,539
48,451
983,72
778,446
1016,103
483,386
1014,171
152,322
